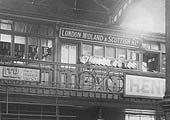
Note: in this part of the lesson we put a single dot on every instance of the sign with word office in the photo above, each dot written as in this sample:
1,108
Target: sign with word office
142,86
17,73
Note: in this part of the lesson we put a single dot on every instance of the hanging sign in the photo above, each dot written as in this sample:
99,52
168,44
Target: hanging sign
100,37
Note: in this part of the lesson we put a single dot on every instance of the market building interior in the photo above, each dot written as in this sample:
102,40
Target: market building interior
82,59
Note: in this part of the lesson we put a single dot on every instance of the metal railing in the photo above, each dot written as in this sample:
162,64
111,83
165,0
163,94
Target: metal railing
79,77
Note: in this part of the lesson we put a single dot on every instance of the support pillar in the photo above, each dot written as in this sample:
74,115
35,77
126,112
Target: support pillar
165,103
0,111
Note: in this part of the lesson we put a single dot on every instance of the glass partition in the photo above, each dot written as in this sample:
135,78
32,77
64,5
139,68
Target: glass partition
46,54
5,44
33,48
5,24
20,43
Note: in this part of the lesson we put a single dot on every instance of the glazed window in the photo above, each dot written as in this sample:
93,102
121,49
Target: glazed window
5,44
146,45
132,60
87,50
110,52
163,63
98,51
33,48
133,55
46,54
139,117
5,24
163,49
46,30
139,114
68,53
19,42
65,83
150,62
45,77
32,28
20,27
121,53
155,46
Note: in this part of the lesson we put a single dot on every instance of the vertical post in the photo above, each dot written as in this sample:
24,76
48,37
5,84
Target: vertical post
57,110
166,101
56,73
6,83
167,25
6,99
0,111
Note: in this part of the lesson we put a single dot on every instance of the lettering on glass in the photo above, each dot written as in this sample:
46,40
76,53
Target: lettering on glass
46,51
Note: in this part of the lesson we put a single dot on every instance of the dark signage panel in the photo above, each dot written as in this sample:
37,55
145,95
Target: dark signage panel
100,37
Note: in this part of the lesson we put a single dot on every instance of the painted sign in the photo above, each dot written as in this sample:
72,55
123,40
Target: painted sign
144,86
17,73
100,37
118,63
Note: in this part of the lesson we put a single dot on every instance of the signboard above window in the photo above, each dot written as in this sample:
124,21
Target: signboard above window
100,37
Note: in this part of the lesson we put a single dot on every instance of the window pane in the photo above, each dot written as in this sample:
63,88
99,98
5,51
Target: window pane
32,28
46,49
98,51
146,45
19,43
33,48
45,77
68,54
64,54
5,24
72,54
121,53
46,30
5,44
163,48
163,63
132,55
155,46
20,27
110,52
139,117
87,50
150,62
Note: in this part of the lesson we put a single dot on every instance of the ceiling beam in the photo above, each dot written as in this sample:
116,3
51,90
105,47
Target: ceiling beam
102,5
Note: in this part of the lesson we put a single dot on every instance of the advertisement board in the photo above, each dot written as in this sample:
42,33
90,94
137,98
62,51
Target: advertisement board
17,73
142,86
115,39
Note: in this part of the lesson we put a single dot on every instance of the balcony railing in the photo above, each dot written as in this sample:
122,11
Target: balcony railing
68,79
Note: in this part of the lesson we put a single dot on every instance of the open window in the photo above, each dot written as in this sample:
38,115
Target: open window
150,62
33,48
5,44
46,54
132,59
19,43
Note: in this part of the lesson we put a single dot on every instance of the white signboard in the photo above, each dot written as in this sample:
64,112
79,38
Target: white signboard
144,86
17,73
